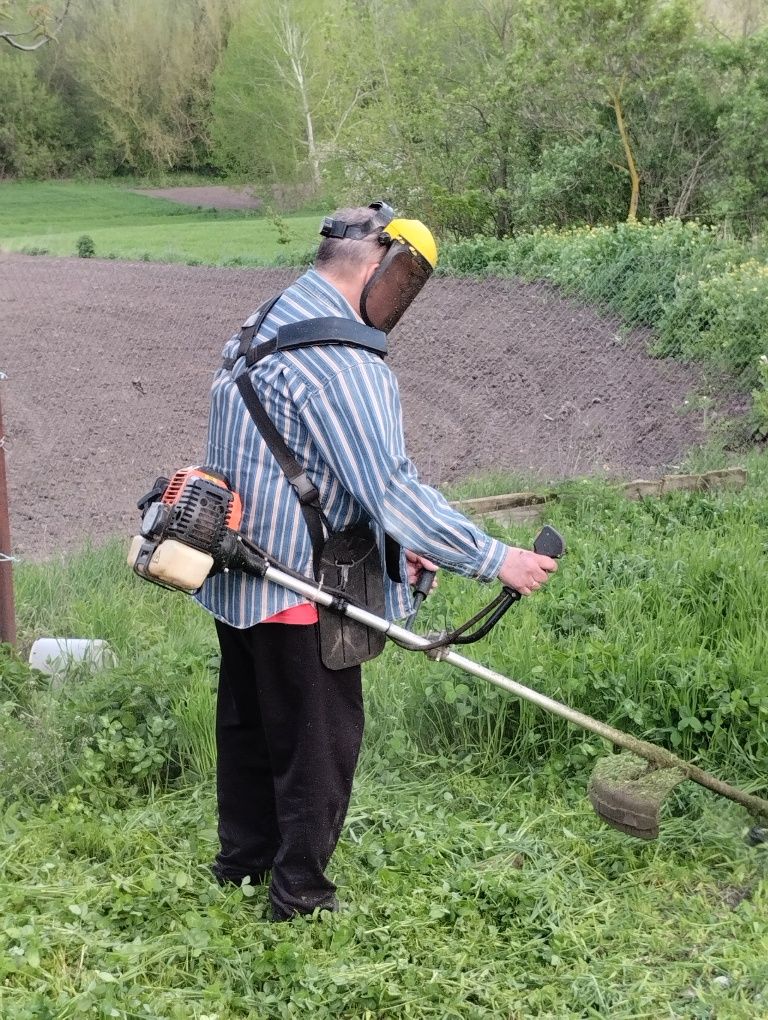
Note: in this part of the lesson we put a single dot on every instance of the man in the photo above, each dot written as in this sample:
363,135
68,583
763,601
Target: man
288,729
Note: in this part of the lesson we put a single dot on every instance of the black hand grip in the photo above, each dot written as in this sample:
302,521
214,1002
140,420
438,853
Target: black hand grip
421,589
549,542
424,585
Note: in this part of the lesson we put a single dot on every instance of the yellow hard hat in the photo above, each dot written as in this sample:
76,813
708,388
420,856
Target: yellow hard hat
414,234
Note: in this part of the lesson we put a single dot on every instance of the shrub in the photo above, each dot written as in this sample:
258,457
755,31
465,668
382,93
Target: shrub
475,256
115,733
733,319
284,235
85,246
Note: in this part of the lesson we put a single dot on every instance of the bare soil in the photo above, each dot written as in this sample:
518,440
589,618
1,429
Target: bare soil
110,363
208,196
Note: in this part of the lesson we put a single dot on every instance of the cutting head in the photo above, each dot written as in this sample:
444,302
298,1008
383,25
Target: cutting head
627,792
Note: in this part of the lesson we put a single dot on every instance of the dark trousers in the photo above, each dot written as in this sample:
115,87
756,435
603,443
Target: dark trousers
288,733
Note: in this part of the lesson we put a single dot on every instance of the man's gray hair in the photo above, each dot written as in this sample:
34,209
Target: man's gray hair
340,252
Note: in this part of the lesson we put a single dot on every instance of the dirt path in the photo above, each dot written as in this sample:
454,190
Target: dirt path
210,196
109,366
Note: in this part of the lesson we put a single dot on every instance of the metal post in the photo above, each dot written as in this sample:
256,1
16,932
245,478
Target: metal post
7,612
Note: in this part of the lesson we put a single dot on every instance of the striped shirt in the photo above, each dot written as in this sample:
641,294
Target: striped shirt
338,409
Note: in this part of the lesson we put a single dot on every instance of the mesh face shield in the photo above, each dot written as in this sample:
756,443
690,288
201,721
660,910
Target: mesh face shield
399,278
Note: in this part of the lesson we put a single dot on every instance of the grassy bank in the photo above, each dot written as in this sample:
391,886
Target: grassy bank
50,218
477,881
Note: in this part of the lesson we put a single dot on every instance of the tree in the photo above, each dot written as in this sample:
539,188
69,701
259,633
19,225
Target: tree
143,70
284,91
35,140
737,193
605,55
292,64
42,23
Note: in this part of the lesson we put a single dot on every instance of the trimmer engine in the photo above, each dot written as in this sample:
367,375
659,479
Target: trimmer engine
188,529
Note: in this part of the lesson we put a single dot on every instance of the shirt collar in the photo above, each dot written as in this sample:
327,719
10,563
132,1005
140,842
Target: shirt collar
320,288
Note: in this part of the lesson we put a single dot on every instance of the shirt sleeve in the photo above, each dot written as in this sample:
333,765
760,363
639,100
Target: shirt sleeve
355,420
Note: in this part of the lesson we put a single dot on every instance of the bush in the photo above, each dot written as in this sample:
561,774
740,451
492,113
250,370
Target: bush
115,733
733,319
85,246
475,256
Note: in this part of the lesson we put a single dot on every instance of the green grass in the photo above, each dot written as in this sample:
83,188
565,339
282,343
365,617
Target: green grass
50,217
466,897
477,881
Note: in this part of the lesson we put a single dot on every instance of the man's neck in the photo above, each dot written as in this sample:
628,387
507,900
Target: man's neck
350,292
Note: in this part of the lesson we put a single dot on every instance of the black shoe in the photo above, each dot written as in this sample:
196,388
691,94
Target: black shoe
324,908
228,878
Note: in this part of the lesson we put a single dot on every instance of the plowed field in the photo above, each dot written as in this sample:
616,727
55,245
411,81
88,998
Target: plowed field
109,365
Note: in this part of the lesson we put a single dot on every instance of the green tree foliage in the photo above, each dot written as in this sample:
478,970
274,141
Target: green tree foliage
147,67
532,113
738,193
605,64
284,90
486,116
132,79
255,125
34,135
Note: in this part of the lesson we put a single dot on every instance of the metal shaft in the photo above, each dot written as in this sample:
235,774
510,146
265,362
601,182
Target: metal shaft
7,612
650,752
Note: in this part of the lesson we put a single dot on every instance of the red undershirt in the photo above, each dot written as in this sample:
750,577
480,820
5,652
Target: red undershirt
305,613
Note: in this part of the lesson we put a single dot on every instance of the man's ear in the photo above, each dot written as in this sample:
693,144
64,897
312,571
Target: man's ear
370,269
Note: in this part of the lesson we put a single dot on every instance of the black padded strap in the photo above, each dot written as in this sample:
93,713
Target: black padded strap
307,494
248,332
316,332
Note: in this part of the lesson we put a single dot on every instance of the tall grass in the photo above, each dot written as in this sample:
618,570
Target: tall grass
657,622
477,883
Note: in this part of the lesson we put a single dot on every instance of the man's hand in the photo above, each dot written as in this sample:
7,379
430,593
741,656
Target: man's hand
416,565
526,571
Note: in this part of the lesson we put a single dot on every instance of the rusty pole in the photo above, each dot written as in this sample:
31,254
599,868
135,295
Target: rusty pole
7,612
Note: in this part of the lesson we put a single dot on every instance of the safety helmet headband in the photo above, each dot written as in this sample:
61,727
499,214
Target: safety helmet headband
340,229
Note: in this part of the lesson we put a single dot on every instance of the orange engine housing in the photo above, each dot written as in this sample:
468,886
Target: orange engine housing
185,476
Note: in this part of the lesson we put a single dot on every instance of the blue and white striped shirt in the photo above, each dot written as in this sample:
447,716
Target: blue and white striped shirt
338,409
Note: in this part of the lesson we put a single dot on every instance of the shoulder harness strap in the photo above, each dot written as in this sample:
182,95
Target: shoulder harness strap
307,494
305,333
250,329
319,332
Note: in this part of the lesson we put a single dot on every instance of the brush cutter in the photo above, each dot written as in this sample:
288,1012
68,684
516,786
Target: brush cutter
189,531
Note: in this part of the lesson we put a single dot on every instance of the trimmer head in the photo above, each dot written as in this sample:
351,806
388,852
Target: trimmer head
627,793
